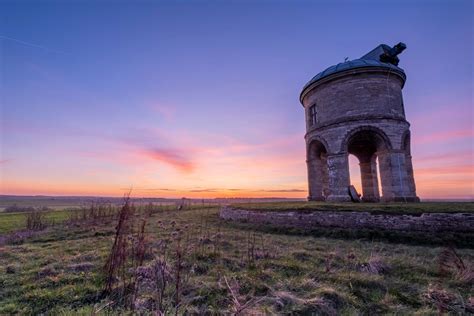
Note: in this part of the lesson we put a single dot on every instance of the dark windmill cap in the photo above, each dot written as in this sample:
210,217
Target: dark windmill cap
382,56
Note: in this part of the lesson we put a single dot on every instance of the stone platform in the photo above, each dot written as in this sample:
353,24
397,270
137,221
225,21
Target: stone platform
426,222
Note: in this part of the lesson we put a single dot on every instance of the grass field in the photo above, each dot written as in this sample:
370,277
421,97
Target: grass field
386,208
227,267
15,221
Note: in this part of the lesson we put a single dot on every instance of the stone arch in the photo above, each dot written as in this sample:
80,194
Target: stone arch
318,173
387,144
316,142
368,143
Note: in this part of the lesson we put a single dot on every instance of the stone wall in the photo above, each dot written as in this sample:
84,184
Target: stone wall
429,222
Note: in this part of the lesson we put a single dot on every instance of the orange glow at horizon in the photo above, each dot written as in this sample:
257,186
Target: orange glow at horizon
212,173
65,190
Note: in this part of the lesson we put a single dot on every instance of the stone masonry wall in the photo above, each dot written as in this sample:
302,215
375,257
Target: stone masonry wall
429,222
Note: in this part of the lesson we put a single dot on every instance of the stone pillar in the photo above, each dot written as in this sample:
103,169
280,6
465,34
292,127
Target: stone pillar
411,176
370,187
315,183
338,178
397,182
325,175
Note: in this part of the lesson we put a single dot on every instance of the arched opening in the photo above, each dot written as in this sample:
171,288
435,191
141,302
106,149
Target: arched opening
367,145
379,183
318,174
354,172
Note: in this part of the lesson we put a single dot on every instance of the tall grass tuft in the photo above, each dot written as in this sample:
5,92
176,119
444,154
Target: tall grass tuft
450,263
35,220
115,267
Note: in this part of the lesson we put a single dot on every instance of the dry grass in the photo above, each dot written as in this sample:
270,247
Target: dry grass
35,220
451,264
172,262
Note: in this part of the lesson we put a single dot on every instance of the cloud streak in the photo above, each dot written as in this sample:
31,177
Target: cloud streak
282,190
173,157
31,44
446,170
443,136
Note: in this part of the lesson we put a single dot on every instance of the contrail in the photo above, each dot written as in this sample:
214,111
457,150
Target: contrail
31,44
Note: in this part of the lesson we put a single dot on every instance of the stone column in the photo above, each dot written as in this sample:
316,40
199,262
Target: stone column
370,187
411,177
338,178
325,175
397,183
315,183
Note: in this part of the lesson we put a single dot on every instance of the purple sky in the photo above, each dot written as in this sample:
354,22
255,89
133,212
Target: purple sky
200,98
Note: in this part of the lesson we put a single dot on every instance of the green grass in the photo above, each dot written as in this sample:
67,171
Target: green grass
50,202
294,274
385,208
15,221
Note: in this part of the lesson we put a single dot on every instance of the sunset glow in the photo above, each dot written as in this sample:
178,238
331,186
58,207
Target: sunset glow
178,100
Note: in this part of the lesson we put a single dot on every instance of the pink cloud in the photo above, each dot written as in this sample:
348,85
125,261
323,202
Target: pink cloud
443,136
173,157
446,170
446,157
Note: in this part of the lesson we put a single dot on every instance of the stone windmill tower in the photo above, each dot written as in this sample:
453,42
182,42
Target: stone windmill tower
356,107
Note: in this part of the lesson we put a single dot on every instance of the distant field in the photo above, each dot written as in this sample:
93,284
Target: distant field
15,221
388,208
39,202
72,202
63,202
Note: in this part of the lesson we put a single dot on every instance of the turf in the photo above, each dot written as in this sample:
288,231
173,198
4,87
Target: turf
59,271
385,208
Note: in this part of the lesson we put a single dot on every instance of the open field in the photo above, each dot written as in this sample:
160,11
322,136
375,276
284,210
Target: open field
227,267
385,208
44,201
15,221
74,202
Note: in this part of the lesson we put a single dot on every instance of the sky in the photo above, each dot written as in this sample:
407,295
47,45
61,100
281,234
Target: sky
201,98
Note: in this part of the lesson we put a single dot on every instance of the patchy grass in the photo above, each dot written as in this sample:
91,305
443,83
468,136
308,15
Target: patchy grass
375,208
232,268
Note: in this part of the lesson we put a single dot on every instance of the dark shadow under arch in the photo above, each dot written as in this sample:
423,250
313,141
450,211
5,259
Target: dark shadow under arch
382,142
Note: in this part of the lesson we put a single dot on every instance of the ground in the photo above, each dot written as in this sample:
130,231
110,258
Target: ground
59,270
389,208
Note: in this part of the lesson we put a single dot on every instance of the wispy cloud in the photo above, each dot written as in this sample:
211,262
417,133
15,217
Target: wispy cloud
456,157
443,136
446,170
151,189
204,190
283,190
31,44
173,157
